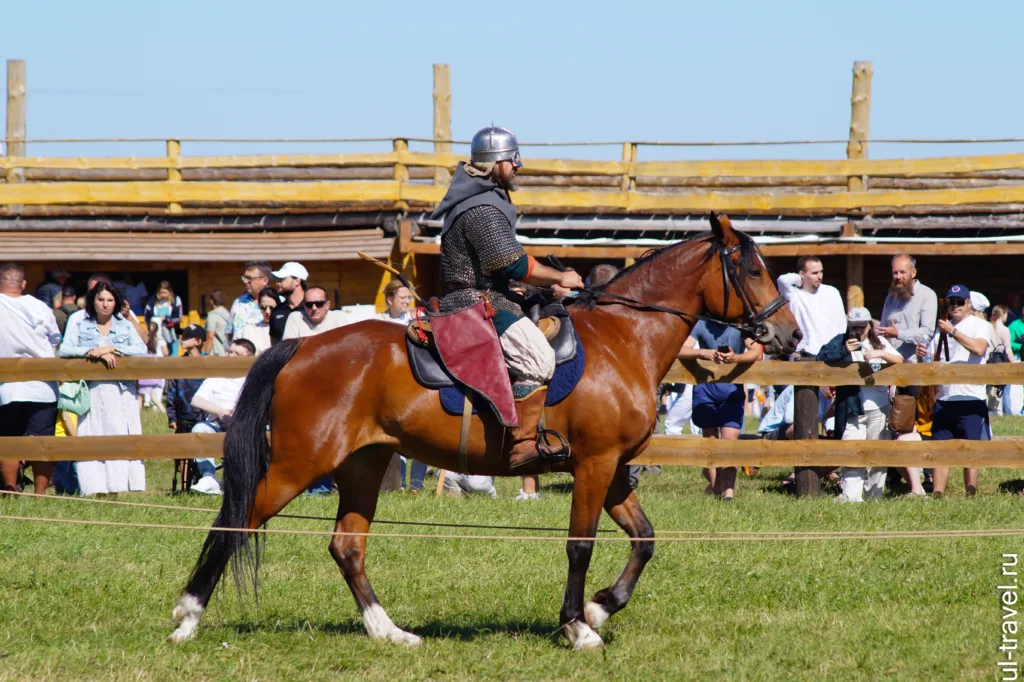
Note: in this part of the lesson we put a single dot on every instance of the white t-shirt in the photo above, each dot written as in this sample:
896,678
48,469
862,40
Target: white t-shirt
258,333
221,392
28,329
874,397
973,328
298,326
821,315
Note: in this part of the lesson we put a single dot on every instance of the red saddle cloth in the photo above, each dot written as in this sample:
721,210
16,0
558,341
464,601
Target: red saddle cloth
469,347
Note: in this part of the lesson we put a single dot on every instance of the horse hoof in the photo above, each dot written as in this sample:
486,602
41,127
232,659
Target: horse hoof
595,614
582,637
399,636
187,613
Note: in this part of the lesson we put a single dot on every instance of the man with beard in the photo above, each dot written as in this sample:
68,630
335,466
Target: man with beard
908,316
480,256
291,284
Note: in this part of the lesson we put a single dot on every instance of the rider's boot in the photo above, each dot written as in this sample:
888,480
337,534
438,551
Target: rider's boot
525,449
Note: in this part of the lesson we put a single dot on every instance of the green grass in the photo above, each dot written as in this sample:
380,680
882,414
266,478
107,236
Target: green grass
94,603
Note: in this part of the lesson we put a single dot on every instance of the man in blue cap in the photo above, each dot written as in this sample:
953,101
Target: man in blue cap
960,409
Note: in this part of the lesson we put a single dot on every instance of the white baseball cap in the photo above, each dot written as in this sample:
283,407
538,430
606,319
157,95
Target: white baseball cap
291,269
979,301
859,315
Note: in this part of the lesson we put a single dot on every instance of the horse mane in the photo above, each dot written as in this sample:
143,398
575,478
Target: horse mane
749,256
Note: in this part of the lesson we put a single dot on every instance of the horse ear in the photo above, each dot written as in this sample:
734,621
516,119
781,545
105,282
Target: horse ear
721,226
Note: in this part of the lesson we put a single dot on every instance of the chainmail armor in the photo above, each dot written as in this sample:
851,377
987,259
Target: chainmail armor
480,242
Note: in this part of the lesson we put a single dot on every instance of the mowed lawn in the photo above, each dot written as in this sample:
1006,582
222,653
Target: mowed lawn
91,602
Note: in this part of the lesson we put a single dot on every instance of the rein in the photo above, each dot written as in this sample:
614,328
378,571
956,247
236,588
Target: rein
754,320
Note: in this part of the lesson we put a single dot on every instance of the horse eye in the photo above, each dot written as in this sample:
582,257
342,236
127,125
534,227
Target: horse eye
756,274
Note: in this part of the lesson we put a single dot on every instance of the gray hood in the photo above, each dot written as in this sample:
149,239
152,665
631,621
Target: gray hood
466,192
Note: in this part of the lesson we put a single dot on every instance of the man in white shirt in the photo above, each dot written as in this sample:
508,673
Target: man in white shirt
818,308
28,329
960,409
217,397
316,318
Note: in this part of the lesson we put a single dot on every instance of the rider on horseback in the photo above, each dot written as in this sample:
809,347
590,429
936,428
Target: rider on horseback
480,255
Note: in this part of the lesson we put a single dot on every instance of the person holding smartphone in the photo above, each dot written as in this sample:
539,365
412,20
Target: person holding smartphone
861,412
718,408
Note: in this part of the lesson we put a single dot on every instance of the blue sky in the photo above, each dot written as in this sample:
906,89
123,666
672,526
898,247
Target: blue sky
550,71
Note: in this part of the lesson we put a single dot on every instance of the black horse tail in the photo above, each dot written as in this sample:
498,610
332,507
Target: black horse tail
246,459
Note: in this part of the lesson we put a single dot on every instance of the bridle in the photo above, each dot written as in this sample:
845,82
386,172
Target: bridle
754,322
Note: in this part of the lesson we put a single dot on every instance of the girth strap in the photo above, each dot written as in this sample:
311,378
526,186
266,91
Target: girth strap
467,415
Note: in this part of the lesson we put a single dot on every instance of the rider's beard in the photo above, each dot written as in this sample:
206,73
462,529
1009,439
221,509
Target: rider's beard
902,292
508,182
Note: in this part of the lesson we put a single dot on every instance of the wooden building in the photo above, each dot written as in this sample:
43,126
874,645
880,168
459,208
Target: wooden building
195,220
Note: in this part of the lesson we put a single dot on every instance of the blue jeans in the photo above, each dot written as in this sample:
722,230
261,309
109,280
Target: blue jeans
417,472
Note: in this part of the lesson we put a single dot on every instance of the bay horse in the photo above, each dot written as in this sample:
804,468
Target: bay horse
342,402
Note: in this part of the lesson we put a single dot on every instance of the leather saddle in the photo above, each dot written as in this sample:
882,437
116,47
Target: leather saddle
553,319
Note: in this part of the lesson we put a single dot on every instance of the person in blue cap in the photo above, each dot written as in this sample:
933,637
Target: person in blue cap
960,409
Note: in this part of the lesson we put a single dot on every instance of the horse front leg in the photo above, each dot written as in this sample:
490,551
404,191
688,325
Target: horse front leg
622,505
592,478
359,479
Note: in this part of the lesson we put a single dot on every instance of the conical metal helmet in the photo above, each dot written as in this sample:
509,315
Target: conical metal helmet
495,144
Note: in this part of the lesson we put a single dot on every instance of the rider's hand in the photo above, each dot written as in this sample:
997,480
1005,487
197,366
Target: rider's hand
571,280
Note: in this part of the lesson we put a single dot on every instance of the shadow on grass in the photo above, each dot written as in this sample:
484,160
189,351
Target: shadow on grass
1014,487
564,487
429,630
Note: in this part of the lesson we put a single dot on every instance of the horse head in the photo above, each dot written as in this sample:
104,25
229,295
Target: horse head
739,289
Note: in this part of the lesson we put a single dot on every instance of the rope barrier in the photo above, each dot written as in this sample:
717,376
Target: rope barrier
647,143
302,517
660,536
781,536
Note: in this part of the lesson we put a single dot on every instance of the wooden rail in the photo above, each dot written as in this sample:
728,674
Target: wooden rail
570,190
766,373
771,372
663,450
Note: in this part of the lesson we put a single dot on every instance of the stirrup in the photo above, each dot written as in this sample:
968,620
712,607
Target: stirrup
546,452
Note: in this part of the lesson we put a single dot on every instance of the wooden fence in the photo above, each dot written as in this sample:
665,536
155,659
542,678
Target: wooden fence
665,450
359,182
398,179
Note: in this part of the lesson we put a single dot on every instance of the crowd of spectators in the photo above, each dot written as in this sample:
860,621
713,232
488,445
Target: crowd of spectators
103,324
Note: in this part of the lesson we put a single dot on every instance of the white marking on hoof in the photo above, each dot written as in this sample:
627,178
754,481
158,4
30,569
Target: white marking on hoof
187,613
595,614
379,626
582,636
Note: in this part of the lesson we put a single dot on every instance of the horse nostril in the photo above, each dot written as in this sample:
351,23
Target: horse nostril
797,334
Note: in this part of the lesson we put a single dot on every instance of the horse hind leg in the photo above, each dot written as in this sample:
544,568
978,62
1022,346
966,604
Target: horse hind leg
275,491
622,505
358,481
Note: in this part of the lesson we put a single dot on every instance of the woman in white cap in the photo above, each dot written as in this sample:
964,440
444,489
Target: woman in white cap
861,412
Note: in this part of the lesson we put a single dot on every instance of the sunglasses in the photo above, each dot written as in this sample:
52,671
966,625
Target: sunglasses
314,304
247,279
267,307
957,302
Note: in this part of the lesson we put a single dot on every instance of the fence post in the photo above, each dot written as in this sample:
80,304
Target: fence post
16,121
401,173
173,173
857,148
629,157
805,427
442,117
